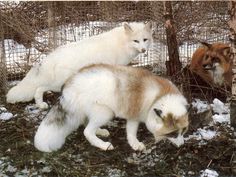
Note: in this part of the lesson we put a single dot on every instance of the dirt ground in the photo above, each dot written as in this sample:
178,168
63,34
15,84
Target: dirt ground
18,156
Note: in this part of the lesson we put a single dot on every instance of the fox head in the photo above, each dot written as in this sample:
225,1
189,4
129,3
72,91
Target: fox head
139,35
168,118
214,61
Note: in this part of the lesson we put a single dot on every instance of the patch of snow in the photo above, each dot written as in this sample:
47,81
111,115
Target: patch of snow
207,134
209,173
46,169
201,106
219,107
114,172
191,173
6,116
10,168
202,134
34,113
32,109
147,158
224,118
3,109
221,112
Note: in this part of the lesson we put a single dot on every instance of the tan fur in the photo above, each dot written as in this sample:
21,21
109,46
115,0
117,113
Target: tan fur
205,55
137,84
173,124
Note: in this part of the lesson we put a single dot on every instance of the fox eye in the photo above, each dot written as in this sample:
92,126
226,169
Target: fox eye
216,60
145,40
136,41
158,112
206,57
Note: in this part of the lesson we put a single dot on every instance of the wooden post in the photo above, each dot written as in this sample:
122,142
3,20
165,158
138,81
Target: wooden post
52,43
232,25
174,64
3,68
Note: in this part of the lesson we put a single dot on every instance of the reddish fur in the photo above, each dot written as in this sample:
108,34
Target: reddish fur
218,50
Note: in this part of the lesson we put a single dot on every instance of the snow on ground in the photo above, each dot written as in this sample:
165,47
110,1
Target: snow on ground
219,107
209,173
114,172
34,113
201,106
221,114
7,169
202,134
4,115
148,158
221,111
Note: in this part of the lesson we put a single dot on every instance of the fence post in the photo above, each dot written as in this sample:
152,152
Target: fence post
174,64
52,43
232,25
3,69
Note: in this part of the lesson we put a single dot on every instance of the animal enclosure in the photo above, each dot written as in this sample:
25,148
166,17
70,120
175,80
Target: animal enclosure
30,30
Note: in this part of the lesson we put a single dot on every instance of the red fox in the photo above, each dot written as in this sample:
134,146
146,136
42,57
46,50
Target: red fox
213,64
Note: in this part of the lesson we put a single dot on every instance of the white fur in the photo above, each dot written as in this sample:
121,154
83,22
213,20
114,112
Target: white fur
114,47
218,74
51,134
172,103
100,93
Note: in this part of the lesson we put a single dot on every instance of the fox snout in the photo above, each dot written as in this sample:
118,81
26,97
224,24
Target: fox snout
143,50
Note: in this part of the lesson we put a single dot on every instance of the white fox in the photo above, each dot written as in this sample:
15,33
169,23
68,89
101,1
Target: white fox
97,93
117,47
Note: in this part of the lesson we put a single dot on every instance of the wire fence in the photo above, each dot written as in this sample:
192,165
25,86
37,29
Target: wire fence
30,30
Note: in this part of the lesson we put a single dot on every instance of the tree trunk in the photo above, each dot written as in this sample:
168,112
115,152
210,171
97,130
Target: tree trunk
232,25
173,65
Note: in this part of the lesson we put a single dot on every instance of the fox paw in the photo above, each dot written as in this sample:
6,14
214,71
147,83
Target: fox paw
138,146
102,132
107,146
43,105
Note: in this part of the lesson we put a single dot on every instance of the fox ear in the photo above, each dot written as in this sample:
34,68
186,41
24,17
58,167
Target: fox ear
226,51
127,28
148,26
206,44
158,112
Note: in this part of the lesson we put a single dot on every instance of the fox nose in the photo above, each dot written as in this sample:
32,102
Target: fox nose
143,50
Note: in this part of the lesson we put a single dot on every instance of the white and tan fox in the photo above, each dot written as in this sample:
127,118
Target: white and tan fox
97,93
118,46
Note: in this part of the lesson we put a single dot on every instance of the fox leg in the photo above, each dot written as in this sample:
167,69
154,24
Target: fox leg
132,128
39,97
98,116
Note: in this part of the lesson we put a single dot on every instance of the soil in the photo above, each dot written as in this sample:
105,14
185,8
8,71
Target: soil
18,156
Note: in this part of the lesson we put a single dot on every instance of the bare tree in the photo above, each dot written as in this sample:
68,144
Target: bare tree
232,25
174,64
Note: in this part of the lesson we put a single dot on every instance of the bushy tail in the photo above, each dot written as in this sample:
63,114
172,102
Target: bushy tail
25,90
54,129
